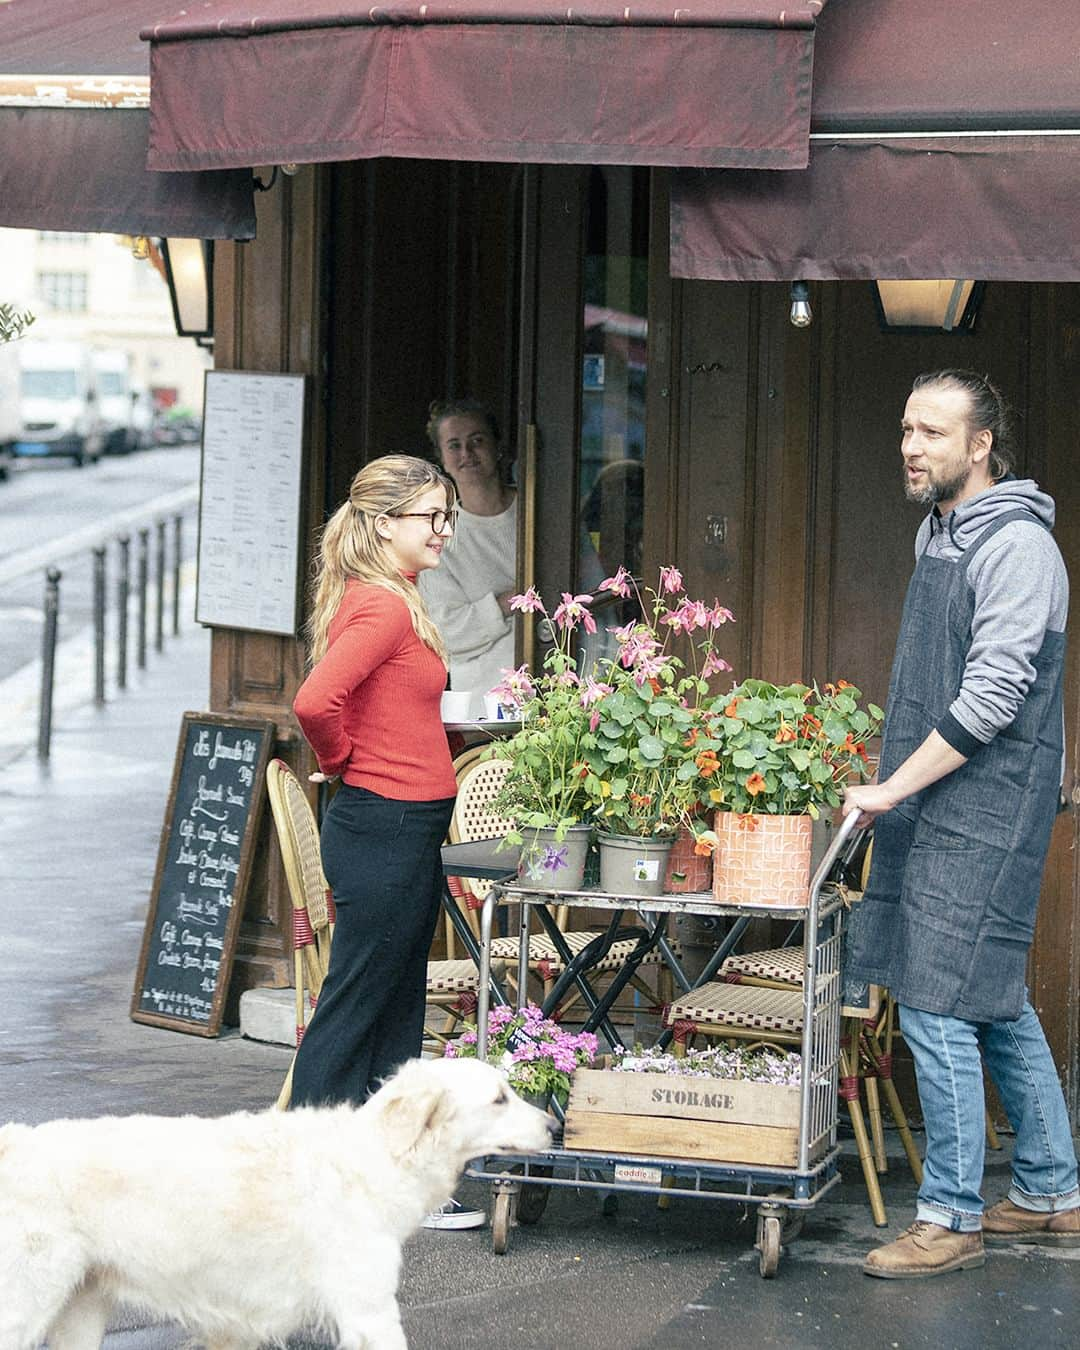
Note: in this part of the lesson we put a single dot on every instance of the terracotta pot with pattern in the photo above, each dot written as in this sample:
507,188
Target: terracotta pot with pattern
762,860
687,871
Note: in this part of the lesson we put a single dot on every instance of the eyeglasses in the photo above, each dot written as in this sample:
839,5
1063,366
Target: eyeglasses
437,519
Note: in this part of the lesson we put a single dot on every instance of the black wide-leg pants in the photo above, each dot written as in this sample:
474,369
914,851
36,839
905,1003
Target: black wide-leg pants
382,860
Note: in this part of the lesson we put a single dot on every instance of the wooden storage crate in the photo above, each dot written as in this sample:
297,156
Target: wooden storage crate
672,1116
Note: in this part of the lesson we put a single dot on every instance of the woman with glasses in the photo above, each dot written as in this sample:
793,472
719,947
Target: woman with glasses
370,711
469,595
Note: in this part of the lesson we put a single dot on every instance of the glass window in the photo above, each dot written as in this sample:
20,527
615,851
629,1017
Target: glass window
615,349
54,384
63,290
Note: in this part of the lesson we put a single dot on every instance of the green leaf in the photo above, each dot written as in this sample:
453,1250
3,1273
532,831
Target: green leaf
651,749
800,758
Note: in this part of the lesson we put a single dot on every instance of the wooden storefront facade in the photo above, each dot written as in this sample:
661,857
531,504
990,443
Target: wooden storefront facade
771,464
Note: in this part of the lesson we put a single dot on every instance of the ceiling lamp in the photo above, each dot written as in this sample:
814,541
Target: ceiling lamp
928,306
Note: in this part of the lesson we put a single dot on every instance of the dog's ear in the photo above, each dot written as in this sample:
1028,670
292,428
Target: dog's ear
411,1113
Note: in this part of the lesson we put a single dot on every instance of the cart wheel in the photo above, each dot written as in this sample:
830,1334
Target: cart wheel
609,1205
792,1225
532,1201
500,1222
768,1245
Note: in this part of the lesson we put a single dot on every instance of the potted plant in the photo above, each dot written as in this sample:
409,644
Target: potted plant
780,755
543,792
615,744
539,1056
647,717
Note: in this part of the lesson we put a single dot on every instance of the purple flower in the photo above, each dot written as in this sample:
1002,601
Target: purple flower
554,858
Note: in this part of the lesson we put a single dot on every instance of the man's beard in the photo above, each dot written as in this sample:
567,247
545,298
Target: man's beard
942,490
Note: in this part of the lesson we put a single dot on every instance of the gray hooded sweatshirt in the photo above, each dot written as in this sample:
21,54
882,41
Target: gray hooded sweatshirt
1021,592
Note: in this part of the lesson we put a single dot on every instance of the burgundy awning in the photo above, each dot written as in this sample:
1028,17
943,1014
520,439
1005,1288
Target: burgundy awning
941,146
74,96
715,82
992,210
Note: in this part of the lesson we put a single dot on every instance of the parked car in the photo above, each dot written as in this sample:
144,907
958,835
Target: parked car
142,418
176,426
112,376
58,402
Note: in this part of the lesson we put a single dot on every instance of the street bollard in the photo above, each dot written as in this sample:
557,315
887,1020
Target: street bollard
99,624
178,556
141,579
159,609
48,660
123,592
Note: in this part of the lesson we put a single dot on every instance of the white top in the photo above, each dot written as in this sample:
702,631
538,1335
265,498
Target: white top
479,565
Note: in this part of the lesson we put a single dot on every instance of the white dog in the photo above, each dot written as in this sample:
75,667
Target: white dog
245,1228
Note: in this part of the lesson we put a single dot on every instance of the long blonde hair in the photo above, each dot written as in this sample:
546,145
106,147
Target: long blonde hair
351,546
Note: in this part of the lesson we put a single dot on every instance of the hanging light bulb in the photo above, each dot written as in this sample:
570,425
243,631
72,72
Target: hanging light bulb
802,316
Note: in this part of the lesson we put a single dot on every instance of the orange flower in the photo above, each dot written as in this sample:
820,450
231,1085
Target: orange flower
785,733
732,709
809,725
830,690
656,685
639,800
691,737
704,847
707,762
844,684
746,822
754,784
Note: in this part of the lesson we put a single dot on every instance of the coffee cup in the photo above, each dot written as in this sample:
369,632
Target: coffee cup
455,705
493,709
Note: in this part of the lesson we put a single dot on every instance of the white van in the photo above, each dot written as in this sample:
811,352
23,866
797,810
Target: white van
58,402
112,374
10,420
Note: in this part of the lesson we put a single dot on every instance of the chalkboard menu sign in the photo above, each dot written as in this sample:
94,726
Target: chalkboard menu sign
204,861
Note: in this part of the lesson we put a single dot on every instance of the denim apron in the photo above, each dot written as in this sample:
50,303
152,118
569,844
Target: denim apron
949,910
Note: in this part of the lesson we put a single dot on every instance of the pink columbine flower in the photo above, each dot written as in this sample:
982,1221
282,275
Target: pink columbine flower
647,668
718,615
619,583
713,665
528,601
594,691
671,580
568,678
594,719
572,609
689,615
639,646
515,688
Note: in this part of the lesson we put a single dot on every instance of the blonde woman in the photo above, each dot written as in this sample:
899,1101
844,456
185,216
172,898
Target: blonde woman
370,711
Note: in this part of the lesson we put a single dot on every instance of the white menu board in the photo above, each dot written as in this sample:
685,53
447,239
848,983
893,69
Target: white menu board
249,506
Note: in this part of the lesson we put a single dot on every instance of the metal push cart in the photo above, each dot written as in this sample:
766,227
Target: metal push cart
521,1183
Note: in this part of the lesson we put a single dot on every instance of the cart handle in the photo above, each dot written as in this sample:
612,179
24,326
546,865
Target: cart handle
848,827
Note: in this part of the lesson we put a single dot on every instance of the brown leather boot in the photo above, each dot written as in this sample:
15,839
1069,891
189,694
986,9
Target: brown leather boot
1006,1222
925,1249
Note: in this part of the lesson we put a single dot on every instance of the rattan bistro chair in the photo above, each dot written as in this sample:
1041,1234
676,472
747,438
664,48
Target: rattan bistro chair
312,901
451,985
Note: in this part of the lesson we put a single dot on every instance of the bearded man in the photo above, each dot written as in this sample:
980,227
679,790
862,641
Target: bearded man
968,785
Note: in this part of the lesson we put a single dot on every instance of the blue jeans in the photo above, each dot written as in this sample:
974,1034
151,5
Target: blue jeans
947,1062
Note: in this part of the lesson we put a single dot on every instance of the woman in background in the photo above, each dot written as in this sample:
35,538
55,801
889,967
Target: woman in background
469,595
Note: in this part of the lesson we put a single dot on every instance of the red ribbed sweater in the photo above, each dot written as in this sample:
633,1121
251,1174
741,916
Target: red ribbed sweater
370,707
